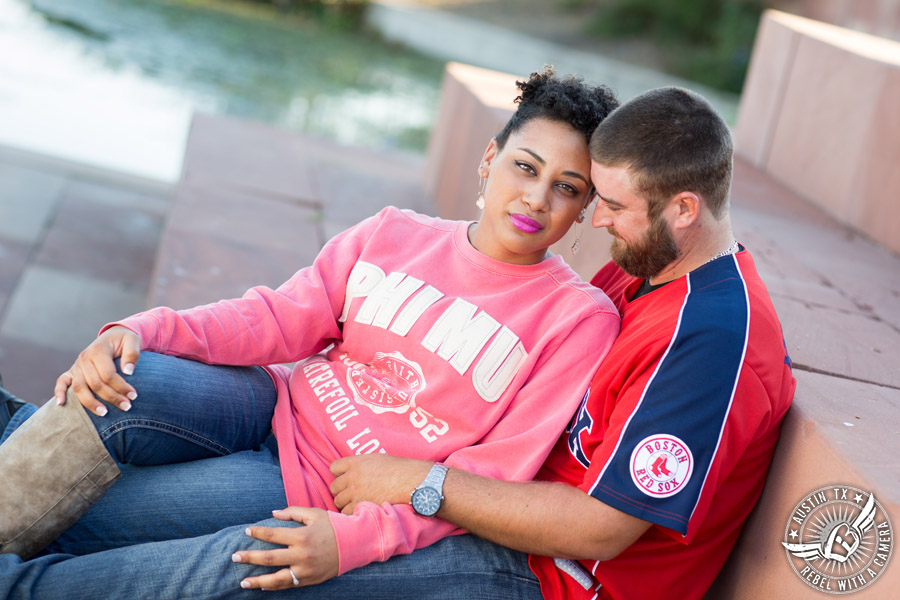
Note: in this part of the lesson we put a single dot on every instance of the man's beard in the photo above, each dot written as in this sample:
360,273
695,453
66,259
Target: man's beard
648,256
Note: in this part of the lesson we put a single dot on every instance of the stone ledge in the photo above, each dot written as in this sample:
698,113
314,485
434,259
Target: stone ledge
834,434
256,203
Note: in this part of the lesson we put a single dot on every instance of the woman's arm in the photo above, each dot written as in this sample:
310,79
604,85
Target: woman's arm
262,327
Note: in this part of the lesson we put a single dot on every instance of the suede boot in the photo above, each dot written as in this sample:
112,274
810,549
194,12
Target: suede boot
52,469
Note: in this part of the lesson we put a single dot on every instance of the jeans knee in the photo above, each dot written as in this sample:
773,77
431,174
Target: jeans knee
150,368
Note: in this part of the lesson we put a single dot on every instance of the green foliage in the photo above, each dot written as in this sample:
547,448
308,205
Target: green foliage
666,19
339,14
708,41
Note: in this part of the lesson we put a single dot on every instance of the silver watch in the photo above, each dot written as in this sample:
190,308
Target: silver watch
426,498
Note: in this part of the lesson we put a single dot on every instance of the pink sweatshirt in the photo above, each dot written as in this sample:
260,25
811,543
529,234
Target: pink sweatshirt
410,342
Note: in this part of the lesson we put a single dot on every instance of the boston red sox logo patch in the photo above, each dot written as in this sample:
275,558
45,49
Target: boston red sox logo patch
661,465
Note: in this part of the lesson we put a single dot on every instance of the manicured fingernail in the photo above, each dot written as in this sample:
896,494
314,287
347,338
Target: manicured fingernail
59,400
236,557
126,406
131,395
101,411
128,368
245,585
247,531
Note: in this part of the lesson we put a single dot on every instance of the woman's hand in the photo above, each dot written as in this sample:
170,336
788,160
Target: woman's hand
377,478
310,555
94,371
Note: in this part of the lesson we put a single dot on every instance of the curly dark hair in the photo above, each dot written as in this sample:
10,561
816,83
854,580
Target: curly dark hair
567,99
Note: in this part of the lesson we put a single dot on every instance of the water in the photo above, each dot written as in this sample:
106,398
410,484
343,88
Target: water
114,82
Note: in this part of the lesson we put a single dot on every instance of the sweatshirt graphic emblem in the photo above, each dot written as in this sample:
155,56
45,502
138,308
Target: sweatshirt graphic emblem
389,384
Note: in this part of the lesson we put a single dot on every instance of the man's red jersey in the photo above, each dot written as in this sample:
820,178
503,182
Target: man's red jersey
678,429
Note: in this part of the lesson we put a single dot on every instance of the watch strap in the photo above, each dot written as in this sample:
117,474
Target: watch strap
435,477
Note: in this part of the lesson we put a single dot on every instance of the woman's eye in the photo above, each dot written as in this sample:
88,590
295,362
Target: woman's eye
525,167
569,189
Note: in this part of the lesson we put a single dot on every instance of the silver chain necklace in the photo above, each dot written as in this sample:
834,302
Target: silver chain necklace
731,250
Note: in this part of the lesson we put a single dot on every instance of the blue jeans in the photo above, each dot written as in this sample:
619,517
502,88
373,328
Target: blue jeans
460,567
17,419
196,452
199,464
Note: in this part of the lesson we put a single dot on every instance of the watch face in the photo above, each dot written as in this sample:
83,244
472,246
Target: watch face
426,501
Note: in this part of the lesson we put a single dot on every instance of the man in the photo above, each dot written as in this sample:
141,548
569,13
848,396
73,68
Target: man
646,492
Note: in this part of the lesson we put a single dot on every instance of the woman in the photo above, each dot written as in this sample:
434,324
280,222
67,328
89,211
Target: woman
462,343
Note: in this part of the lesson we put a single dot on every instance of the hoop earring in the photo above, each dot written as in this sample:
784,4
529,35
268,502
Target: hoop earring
480,202
579,229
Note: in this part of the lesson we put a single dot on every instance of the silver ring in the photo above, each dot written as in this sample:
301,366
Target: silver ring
294,577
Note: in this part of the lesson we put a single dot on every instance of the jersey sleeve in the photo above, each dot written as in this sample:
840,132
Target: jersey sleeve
666,429
513,450
264,326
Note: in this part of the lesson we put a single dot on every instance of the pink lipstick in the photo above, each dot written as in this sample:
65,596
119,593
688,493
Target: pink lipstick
526,224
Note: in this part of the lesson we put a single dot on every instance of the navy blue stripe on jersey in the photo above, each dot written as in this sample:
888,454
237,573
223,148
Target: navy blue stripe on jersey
582,424
688,398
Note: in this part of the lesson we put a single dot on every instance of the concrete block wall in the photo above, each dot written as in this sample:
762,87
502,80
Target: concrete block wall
878,17
475,104
256,203
838,298
819,113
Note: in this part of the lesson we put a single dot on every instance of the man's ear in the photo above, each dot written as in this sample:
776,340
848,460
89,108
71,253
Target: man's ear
484,167
684,209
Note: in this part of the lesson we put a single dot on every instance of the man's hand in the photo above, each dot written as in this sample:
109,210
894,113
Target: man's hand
377,478
310,555
94,372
